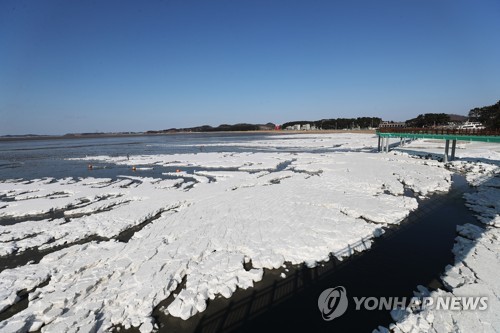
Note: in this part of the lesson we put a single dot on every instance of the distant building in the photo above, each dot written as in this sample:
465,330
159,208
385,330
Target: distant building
392,124
298,127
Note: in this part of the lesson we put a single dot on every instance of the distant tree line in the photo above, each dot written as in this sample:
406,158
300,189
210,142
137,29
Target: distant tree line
220,128
236,127
489,116
338,123
429,120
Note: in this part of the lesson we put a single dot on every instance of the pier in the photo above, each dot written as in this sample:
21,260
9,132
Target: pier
453,135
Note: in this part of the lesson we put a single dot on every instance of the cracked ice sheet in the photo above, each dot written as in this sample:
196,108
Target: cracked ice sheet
40,197
106,216
375,173
266,217
486,201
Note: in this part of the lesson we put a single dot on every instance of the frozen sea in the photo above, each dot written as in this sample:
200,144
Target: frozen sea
161,229
30,159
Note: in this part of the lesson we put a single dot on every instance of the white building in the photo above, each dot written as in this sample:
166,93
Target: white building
392,124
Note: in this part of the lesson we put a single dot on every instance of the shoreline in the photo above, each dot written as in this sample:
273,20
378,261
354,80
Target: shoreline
106,136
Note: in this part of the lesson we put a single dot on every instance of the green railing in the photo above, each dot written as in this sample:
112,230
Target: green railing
483,135
440,131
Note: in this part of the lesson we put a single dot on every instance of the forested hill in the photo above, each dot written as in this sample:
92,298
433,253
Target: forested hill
489,116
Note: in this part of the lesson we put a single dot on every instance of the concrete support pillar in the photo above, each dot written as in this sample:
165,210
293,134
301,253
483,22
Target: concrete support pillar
401,142
453,146
387,144
378,146
446,149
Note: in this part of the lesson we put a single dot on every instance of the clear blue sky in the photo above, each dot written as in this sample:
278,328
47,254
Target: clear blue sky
82,66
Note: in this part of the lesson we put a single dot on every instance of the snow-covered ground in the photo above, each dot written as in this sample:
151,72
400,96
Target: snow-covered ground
197,230
477,251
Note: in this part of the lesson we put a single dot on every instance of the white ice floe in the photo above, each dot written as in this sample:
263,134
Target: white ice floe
197,230
486,201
